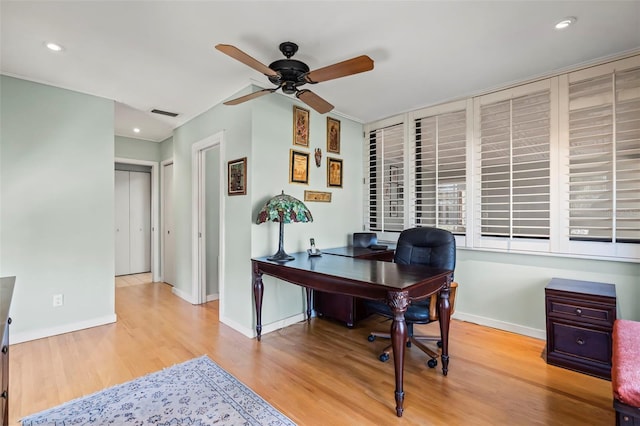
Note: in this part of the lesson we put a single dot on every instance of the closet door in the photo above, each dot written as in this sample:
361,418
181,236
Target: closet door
139,222
122,222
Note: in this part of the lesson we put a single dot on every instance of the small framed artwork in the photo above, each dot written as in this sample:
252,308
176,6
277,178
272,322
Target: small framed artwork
334,173
317,196
333,135
237,176
300,126
298,167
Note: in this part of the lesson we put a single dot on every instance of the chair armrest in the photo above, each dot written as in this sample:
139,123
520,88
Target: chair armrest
433,304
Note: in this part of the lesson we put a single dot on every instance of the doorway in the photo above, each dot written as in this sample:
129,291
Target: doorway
168,234
152,237
206,207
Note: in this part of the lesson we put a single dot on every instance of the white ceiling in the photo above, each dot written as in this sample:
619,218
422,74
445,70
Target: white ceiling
159,54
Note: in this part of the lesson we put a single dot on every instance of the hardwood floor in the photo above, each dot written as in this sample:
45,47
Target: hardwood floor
317,374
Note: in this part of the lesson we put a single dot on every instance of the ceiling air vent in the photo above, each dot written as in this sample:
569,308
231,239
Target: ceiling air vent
159,111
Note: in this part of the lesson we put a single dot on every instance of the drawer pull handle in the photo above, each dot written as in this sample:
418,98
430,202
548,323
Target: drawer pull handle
5,349
9,321
580,341
4,394
578,311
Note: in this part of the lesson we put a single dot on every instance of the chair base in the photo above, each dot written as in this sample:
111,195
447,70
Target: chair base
415,340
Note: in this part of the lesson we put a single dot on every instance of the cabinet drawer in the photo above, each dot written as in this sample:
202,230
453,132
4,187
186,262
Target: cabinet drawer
588,344
581,311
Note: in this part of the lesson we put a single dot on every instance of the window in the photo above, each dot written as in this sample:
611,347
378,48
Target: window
515,166
386,178
551,166
438,169
604,158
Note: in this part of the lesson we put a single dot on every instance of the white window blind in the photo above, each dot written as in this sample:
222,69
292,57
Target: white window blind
514,167
439,169
386,179
604,158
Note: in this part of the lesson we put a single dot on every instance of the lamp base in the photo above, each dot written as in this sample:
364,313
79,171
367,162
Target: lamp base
280,256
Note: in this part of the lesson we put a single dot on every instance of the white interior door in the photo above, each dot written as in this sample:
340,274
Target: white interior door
169,256
122,222
139,222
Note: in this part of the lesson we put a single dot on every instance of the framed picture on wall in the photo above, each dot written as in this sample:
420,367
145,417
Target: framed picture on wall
300,126
237,176
333,135
334,173
298,167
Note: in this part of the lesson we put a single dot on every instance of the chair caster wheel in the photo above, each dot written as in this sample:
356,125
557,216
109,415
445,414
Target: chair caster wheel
371,338
384,357
439,343
432,363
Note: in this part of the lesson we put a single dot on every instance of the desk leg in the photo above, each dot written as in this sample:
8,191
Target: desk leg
444,316
258,290
309,293
398,302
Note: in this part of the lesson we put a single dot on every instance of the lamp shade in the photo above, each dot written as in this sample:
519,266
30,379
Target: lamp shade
283,208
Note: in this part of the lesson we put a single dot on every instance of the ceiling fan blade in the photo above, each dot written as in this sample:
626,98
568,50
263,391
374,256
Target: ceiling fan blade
250,96
239,55
314,101
341,69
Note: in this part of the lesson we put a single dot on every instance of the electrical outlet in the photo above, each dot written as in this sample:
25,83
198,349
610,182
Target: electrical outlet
58,300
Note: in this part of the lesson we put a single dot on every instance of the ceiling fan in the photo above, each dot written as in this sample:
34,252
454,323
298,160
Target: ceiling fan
289,74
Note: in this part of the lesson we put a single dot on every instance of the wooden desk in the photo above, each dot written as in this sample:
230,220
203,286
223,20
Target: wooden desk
347,309
398,285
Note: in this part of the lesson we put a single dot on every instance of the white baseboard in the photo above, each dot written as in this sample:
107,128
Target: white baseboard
501,325
182,295
212,297
25,336
251,332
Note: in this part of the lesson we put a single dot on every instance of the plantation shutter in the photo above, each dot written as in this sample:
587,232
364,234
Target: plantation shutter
386,179
604,154
514,166
439,167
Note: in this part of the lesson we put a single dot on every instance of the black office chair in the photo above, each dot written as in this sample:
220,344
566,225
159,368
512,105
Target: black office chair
426,246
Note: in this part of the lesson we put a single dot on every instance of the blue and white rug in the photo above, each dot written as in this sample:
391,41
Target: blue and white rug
194,393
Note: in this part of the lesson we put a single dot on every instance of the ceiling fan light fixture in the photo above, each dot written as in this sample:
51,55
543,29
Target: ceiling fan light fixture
566,22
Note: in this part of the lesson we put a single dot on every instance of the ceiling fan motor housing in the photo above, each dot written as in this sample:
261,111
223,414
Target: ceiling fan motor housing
291,73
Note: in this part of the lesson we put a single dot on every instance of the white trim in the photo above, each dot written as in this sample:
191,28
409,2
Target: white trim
266,329
163,183
183,295
25,336
212,297
501,325
155,232
198,286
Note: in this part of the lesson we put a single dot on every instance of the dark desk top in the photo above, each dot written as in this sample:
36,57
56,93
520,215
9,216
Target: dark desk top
376,273
351,251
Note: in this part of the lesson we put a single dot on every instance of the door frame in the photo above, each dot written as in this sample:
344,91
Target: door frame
198,222
163,183
155,235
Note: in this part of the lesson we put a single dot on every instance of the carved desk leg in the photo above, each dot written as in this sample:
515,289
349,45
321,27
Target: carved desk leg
258,290
398,302
444,316
309,293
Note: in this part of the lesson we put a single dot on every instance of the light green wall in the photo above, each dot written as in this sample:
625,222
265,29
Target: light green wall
212,214
137,149
166,149
57,195
507,290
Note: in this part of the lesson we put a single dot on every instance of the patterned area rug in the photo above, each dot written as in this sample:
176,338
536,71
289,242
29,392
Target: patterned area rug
194,393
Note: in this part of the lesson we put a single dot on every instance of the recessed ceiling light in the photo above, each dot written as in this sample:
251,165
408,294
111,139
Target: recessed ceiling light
566,22
136,130
54,46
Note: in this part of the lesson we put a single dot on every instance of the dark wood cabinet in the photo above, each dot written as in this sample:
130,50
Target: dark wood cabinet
347,309
6,293
580,316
